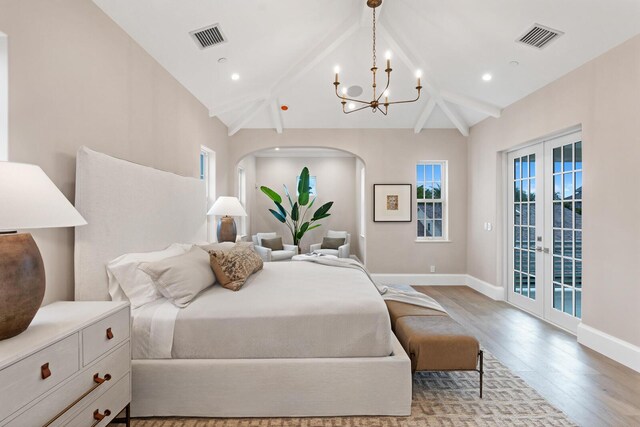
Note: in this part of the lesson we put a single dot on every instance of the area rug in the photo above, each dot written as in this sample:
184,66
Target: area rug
439,399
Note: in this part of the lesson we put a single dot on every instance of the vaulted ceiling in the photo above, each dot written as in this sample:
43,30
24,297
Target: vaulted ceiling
284,52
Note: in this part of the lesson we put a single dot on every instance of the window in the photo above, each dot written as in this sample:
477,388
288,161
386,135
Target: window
208,175
242,196
431,181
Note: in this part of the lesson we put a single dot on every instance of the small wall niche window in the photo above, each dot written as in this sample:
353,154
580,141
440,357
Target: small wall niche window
242,196
431,198
208,175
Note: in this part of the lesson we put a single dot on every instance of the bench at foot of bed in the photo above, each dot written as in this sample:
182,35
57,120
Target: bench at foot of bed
434,341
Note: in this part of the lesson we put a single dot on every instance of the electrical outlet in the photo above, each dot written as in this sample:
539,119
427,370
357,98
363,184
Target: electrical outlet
433,268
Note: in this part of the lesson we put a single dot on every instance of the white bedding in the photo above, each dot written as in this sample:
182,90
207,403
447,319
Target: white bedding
286,310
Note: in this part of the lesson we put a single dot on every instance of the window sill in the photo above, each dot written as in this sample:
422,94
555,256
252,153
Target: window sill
433,241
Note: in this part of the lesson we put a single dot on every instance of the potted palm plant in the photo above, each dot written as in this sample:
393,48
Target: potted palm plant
295,217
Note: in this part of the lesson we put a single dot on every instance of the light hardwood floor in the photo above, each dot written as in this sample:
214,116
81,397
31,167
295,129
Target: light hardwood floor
591,389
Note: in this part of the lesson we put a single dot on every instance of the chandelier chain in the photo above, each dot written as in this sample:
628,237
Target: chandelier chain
374,36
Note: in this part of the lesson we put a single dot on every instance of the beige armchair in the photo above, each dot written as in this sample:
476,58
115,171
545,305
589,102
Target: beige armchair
268,254
342,252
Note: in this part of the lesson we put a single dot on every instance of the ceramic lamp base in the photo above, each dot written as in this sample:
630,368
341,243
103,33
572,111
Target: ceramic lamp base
226,229
22,283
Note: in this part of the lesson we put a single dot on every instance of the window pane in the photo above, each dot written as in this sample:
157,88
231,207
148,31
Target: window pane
516,190
532,238
524,267
568,300
525,167
578,244
578,154
532,263
567,214
420,173
437,193
532,190
428,173
578,304
532,287
557,242
516,214
532,165
532,214
567,270
429,210
557,160
516,282
567,157
525,213
557,269
437,173
437,228
568,186
578,215
421,210
525,190
420,191
516,237
437,213
428,192
578,191
516,259
421,228
525,285
557,297
557,187
429,228
578,274
567,243
557,215
516,168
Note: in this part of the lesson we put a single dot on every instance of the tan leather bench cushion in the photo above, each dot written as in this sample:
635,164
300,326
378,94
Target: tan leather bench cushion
432,339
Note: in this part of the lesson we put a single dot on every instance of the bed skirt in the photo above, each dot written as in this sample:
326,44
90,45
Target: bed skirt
273,387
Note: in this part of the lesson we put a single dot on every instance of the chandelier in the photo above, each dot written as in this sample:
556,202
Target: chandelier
375,103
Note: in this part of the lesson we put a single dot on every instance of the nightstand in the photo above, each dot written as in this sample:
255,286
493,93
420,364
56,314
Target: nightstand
72,366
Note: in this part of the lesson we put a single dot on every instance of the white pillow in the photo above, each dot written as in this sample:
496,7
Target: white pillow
126,281
181,278
261,236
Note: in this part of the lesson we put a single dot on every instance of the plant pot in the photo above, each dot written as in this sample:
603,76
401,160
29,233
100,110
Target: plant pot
22,283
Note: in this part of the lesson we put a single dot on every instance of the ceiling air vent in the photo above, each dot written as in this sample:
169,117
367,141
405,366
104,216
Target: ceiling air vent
208,36
539,36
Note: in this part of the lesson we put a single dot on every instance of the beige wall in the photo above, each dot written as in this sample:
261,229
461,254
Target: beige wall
390,247
604,97
75,78
334,183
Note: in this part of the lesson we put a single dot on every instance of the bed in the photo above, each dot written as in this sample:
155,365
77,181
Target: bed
300,339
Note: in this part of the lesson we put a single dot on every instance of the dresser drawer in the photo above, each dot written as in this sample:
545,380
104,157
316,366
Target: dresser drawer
111,403
116,365
104,335
29,378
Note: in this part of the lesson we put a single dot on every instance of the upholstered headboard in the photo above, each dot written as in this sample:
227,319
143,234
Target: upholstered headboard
129,208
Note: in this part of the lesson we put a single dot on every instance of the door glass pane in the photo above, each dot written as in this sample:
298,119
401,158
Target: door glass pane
578,304
567,157
567,302
525,213
568,186
532,190
557,160
532,214
516,169
578,155
532,165
557,297
516,214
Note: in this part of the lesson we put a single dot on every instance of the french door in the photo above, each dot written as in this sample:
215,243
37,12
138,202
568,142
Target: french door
545,229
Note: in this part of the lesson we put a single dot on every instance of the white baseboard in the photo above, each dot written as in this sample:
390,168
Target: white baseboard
621,351
492,291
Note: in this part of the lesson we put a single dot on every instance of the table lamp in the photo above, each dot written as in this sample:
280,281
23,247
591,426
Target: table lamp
227,207
29,200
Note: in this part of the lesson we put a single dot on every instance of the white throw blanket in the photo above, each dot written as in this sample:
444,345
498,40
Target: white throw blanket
390,293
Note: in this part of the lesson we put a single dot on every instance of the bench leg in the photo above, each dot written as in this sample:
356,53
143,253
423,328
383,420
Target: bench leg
481,370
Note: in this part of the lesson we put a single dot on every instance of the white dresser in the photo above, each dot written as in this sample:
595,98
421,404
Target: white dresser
71,367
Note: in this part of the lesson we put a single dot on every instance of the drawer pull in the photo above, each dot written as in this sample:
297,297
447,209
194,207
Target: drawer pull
109,334
45,372
97,381
97,416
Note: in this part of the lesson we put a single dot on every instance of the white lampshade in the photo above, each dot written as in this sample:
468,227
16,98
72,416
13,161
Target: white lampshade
228,206
30,200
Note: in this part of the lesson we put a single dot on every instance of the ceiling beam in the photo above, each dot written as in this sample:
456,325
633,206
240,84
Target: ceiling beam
425,114
276,118
474,104
330,43
414,62
246,116
455,117
235,104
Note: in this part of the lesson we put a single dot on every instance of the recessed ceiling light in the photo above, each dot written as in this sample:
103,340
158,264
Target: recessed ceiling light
352,106
514,63
487,77
222,60
235,76
353,91
277,148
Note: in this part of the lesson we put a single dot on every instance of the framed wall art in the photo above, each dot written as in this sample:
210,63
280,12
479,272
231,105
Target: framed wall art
392,203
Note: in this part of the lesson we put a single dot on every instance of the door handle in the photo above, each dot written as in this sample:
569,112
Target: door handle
541,249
